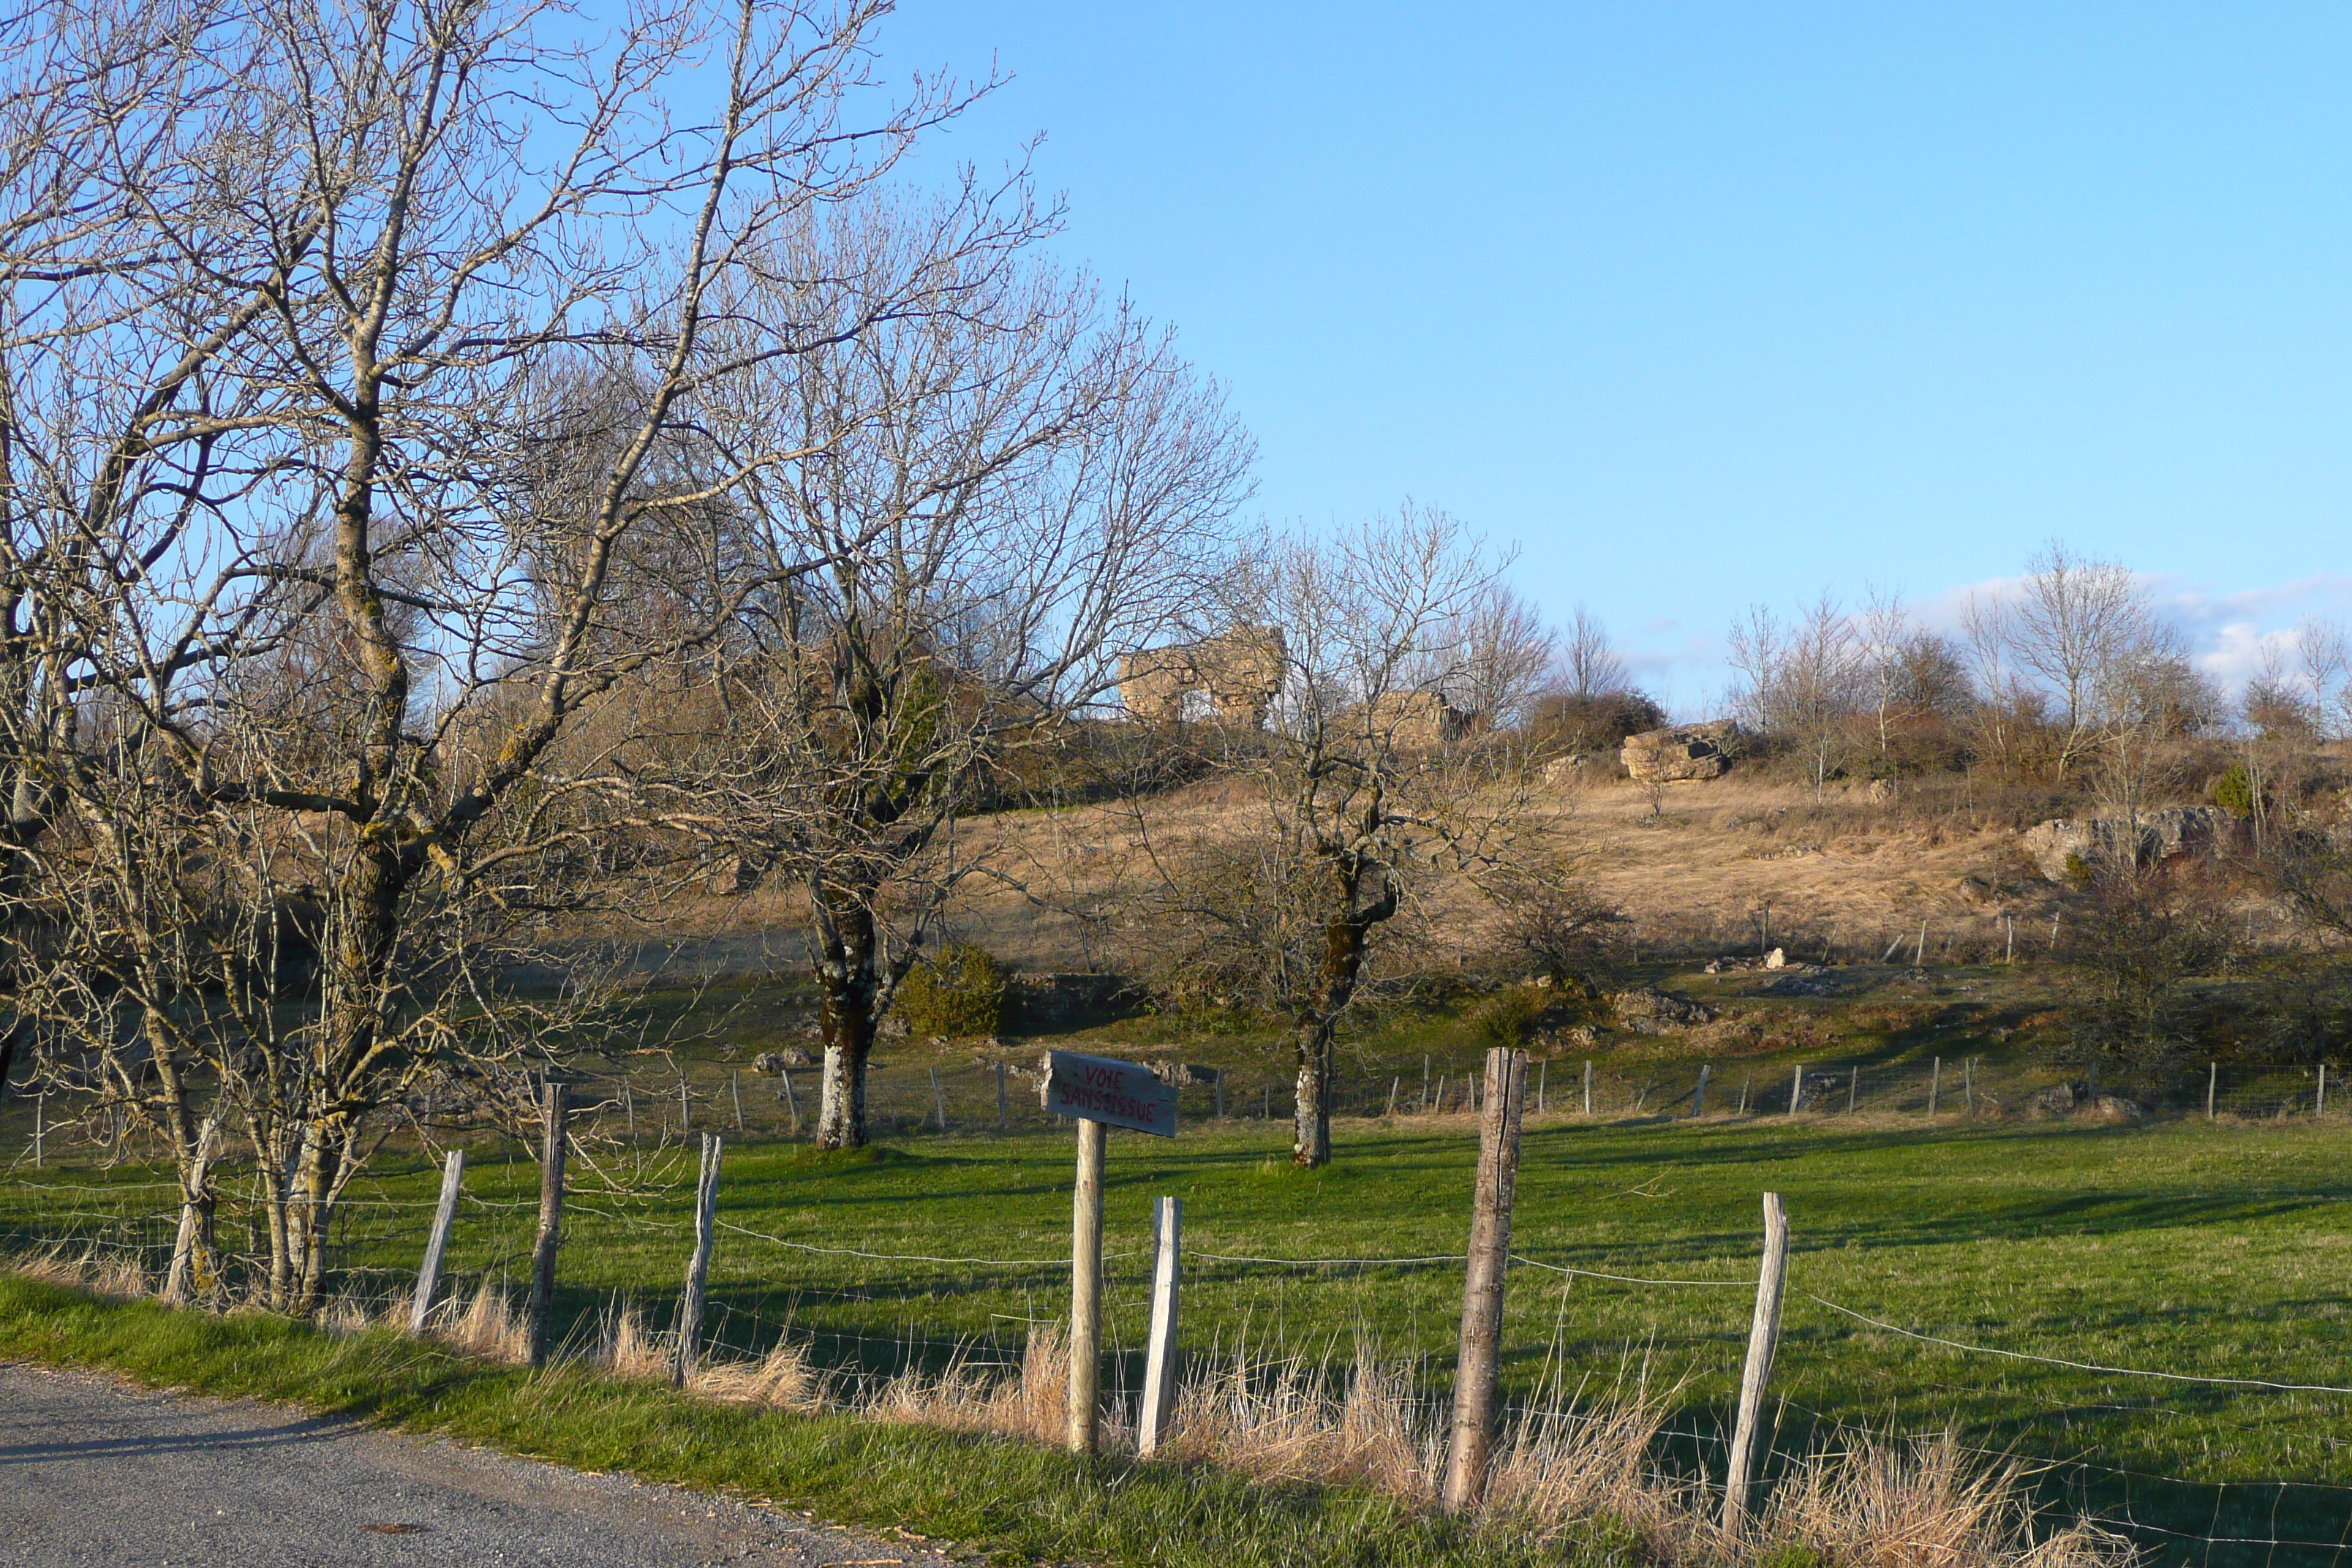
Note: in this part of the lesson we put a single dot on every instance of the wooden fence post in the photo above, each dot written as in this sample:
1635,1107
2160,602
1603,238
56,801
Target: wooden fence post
40,1125
629,1102
1085,1289
2213,1082
1160,1368
938,1098
2321,1107
1852,1085
1797,1088
1003,1109
735,1092
1935,1084
1543,1076
1395,1083
551,1223
1587,1086
437,1241
1746,1081
1221,1094
1919,957
1425,1082
1968,1084
697,1267
1698,1095
685,1109
792,1105
1763,1341
1441,1094
1477,1371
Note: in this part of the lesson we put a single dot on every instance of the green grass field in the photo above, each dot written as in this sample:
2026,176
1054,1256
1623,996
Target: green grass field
2217,1251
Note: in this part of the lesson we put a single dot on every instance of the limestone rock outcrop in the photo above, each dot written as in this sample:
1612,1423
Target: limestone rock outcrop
2146,840
1681,752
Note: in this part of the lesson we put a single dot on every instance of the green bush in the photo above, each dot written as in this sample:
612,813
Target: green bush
2234,791
1511,1016
958,990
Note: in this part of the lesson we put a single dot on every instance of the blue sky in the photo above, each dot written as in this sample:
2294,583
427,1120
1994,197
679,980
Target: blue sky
1705,305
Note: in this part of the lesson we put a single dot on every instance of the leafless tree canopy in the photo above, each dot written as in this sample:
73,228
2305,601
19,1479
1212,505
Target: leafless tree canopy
1032,484
365,368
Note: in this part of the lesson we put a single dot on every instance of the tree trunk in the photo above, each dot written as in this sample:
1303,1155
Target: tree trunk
1310,1142
846,973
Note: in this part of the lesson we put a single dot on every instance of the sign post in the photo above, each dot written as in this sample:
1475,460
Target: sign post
1100,1094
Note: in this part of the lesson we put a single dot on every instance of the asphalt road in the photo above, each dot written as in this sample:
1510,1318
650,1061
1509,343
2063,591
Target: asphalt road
99,1472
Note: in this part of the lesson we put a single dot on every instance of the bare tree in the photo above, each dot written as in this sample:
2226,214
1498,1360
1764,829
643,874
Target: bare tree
1805,680
1371,781
1034,484
382,272
2081,626
1590,665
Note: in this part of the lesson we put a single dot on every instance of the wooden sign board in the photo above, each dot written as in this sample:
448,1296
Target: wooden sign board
1097,1088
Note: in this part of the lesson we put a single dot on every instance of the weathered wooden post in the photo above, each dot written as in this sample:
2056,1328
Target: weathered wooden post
1003,1110
40,1126
1543,1072
735,1092
1395,1083
792,1102
697,1267
1747,1081
551,1224
1763,1341
1698,1095
1968,1084
1425,1082
2320,1109
2213,1082
629,1103
1797,1088
1085,1289
1935,1084
685,1109
437,1241
1099,1093
1477,1370
1161,1368
1587,1086
938,1098
1852,1085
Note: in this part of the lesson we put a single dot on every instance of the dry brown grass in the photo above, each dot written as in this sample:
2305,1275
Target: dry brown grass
114,1275
1873,1503
1922,1503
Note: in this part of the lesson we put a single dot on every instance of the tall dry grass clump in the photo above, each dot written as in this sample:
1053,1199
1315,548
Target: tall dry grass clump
1288,1420
116,1275
488,1326
1032,1404
1883,1502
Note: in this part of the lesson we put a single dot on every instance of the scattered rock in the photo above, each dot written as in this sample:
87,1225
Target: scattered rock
1681,752
1775,959
2072,1098
1577,764
1803,980
1976,890
1816,1088
1583,1037
1183,1075
1645,1010
774,1062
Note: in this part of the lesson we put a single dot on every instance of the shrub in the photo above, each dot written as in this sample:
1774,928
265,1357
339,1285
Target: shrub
1511,1016
958,990
2234,791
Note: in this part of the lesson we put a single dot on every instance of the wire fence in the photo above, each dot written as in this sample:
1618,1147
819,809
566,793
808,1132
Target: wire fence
815,1289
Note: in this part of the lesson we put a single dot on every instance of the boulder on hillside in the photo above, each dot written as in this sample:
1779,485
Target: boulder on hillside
1681,752
2140,841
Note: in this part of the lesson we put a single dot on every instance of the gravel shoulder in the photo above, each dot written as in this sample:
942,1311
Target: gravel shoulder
99,1471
